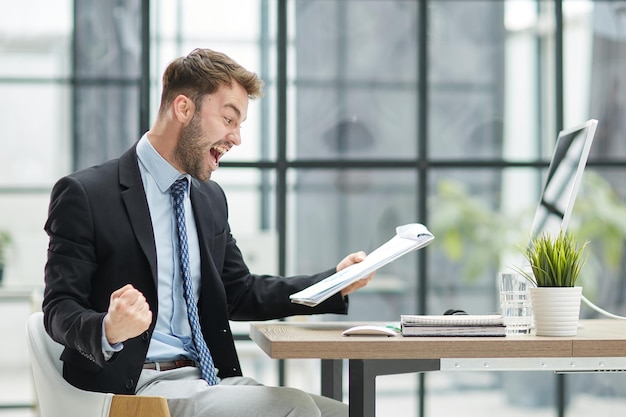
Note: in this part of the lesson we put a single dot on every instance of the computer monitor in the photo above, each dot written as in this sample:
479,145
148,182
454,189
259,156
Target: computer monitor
563,180
561,186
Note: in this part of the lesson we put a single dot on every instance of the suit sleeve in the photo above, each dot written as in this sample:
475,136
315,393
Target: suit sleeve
70,266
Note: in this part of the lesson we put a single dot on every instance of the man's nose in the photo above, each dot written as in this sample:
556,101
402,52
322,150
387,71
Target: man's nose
235,137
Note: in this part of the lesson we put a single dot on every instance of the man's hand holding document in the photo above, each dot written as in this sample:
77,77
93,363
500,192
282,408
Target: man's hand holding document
408,238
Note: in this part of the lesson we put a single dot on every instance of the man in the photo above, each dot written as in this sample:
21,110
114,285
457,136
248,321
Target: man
117,288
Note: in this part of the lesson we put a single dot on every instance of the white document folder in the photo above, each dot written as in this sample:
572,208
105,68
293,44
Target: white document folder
408,238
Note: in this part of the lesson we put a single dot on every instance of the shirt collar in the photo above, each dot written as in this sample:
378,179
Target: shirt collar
163,172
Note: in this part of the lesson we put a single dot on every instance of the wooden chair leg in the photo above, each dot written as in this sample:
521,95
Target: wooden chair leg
138,406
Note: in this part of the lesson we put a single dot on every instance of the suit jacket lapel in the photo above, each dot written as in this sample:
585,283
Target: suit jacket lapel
134,197
204,215
204,219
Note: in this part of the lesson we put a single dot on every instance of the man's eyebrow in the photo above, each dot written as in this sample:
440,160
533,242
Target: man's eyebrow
235,108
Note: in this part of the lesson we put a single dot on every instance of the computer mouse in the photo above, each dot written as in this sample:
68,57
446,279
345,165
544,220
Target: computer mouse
453,311
370,330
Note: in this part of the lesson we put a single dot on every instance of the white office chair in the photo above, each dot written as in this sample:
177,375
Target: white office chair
58,398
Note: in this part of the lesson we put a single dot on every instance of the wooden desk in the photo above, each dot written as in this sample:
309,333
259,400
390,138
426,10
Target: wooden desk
600,345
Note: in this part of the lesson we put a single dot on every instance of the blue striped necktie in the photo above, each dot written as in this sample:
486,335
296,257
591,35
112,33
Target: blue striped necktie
207,368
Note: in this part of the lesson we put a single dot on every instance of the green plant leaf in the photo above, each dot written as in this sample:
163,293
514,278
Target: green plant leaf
555,261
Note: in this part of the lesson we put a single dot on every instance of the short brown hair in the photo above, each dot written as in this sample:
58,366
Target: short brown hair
202,72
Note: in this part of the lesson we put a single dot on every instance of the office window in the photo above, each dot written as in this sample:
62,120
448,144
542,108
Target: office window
354,82
35,56
466,79
35,52
35,143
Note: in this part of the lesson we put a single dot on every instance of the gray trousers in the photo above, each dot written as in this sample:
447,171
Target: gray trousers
190,396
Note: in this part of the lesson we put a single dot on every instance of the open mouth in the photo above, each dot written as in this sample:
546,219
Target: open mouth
217,152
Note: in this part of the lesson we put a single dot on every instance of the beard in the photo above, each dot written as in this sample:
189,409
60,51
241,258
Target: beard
189,152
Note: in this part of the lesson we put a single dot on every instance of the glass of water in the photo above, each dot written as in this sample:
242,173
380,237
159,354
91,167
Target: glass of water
515,305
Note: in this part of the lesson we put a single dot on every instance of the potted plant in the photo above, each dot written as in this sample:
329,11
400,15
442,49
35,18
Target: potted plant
5,243
555,265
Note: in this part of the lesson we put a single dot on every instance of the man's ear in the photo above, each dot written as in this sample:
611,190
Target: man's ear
183,108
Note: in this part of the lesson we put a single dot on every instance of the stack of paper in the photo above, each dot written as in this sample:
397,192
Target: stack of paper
453,325
409,237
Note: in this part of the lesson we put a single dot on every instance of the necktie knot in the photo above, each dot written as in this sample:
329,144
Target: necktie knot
178,188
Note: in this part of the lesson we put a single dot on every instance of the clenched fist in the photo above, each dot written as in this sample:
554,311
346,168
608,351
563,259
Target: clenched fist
129,315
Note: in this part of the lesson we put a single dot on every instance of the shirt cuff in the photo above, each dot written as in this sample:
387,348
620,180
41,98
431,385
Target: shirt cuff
108,350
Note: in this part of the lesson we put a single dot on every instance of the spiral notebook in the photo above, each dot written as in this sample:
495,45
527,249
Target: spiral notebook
452,320
453,325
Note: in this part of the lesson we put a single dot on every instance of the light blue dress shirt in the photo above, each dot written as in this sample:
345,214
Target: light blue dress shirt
172,335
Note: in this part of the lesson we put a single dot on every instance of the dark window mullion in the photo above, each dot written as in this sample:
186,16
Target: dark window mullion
281,149
422,174
144,83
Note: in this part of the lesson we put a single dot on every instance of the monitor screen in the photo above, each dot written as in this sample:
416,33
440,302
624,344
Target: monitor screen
563,179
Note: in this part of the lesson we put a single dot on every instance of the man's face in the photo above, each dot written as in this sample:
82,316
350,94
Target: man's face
212,131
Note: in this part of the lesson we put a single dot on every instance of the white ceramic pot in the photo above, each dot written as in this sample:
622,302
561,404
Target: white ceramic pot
556,310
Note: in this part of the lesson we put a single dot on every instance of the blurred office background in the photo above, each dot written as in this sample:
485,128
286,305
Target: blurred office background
376,113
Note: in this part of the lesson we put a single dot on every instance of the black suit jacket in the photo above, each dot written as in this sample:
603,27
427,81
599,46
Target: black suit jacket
101,239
